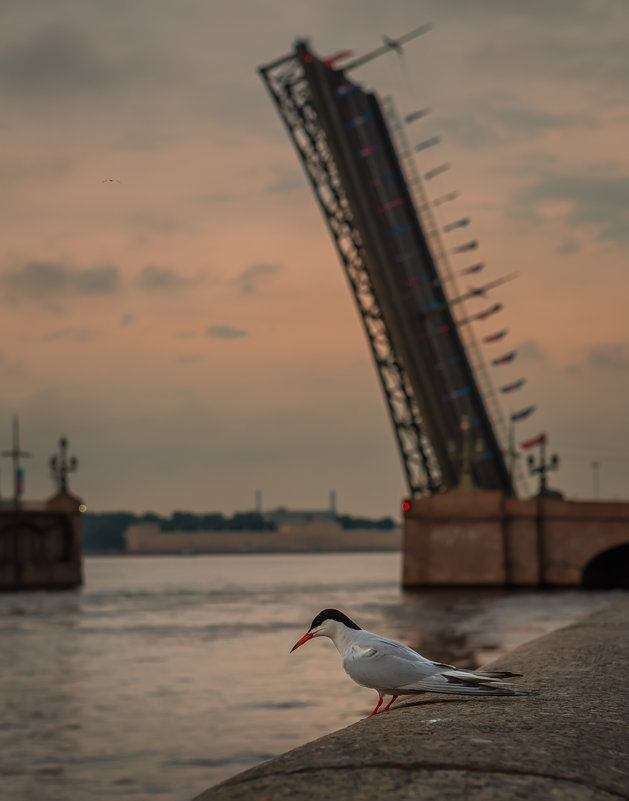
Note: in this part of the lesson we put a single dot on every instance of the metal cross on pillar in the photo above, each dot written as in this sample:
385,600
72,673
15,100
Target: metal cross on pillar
60,465
15,453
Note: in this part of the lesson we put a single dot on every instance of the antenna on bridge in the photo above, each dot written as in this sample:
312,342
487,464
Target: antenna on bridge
389,44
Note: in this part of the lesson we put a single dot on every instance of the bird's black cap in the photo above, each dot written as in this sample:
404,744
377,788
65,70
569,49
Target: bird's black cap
333,614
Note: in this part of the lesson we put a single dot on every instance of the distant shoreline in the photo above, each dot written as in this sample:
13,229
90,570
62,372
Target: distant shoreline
320,551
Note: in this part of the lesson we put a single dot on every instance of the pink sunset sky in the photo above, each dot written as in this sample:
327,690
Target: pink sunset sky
188,326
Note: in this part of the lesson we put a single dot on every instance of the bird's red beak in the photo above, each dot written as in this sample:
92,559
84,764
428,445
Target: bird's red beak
308,636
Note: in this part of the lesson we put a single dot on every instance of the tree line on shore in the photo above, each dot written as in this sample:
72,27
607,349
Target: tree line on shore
104,531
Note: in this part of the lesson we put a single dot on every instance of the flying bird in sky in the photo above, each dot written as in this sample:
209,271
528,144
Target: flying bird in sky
110,181
391,668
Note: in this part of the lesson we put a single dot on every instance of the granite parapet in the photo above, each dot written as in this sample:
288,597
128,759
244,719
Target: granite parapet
568,741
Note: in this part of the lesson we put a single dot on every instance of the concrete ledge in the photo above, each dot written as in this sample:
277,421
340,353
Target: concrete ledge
569,742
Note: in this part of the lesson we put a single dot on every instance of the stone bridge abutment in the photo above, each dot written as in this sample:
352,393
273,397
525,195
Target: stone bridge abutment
487,539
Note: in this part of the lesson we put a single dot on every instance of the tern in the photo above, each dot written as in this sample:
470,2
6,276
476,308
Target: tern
391,668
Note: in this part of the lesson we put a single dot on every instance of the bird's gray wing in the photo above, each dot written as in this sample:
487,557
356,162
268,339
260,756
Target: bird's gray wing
386,665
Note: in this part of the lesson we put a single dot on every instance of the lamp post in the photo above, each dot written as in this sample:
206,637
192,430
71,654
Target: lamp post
595,467
60,465
543,467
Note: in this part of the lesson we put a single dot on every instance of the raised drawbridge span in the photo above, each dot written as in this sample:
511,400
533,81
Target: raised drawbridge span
356,158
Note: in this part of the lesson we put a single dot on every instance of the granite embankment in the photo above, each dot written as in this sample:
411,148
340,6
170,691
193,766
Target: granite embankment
568,742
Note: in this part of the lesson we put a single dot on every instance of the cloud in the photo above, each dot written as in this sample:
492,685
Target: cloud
531,351
140,139
154,278
571,246
580,42
539,12
490,123
58,62
14,170
597,200
73,334
15,369
611,356
225,332
573,369
74,67
189,359
250,278
215,197
96,281
287,183
603,63
70,60
155,223
45,280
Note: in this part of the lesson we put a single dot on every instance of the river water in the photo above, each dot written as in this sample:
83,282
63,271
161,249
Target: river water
164,675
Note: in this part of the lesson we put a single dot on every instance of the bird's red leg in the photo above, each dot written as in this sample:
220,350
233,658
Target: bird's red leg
395,697
380,700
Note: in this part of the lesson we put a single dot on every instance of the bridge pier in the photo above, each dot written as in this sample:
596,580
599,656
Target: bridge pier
40,547
488,539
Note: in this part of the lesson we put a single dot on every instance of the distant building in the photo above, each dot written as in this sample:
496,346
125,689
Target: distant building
282,517
316,536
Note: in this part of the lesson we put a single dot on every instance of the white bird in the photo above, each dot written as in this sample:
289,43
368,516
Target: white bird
394,669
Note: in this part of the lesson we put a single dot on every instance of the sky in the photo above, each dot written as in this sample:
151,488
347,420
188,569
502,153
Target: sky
187,324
